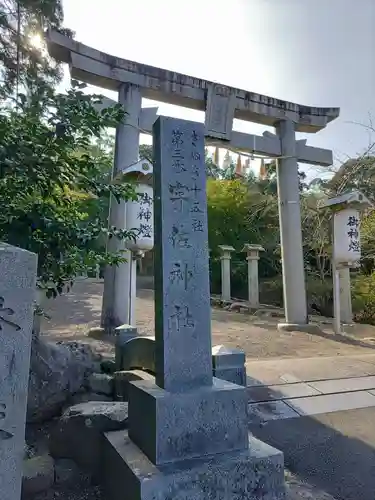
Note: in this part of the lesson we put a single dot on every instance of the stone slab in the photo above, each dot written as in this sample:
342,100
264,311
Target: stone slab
315,405
227,357
123,334
173,426
258,413
17,294
310,328
121,380
255,473
79,432
137,353
182,290
344,385
283,391
234,375
229,364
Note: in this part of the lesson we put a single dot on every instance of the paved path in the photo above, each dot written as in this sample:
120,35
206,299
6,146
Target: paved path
279,389
334,452
320,412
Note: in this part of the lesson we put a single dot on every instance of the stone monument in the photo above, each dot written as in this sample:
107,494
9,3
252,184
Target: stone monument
17,294
188,436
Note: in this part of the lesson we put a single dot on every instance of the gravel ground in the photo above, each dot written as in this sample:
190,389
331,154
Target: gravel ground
73,314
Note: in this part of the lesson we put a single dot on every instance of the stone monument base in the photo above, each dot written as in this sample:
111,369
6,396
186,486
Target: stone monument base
299,327
256,473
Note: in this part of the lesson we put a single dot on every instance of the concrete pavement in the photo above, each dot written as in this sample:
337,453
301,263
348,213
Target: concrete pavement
334,452
320,412
292,388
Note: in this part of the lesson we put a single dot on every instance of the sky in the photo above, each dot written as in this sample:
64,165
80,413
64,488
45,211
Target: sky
313,52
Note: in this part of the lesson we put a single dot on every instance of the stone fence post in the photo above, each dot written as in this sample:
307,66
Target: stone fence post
225,271
252,257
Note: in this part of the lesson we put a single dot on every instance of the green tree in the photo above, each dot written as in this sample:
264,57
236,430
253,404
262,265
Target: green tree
355,173
48,176
23,58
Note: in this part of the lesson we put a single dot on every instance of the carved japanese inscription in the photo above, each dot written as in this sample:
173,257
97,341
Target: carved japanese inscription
5,313
182,302
3,433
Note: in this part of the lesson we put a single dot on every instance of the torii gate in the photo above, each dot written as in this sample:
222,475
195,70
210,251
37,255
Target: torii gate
221,104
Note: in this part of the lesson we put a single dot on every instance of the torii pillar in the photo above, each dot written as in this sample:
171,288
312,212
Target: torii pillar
116,308
290,229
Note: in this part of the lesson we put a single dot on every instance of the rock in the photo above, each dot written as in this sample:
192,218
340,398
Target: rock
38,475
122,378
238,307
67,472
78,434
57,371
108,366
96,331
101,383
86,397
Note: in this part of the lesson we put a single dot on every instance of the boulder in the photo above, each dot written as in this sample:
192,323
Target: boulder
108,366
100,383
38,475
67,472
57,371
78,433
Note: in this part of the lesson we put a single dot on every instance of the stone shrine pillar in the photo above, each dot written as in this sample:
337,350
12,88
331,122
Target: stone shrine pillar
290,229
116,308
188,435
225,271
17,294
139,219
346,310
346,249
252,258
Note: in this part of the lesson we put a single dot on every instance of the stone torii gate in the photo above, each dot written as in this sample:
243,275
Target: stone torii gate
221,104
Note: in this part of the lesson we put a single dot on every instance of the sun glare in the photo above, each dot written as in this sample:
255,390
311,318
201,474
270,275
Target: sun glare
36,41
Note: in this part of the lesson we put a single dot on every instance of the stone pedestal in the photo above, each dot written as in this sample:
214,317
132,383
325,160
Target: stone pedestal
254,473
252,257
225,271
118,293
17,294
187,435
123,334
290,227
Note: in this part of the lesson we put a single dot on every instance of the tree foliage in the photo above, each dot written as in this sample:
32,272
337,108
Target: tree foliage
24,61
48,178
